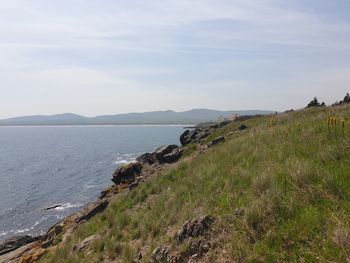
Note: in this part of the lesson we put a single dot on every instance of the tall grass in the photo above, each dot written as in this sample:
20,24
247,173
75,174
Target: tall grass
293,184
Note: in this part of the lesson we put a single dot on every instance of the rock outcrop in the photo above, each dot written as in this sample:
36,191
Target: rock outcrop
147,158
12,243
193,136
92,210
194,233
161,254
195,228
127,173
168,153
188,136
216,141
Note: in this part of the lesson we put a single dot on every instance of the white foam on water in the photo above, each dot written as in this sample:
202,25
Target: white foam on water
89,186
67,206
21,231
4,233
125,158
121,161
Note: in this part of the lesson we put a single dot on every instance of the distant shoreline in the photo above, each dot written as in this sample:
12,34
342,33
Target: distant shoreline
100,125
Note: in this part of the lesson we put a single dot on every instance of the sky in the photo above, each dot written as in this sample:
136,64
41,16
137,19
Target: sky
95,57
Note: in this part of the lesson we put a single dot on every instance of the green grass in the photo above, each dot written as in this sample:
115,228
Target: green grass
294,186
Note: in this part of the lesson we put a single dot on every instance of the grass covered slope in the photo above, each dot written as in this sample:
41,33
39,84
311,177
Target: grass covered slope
289,173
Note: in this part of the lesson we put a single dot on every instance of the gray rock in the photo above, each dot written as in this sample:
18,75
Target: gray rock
92,210
51,234
242,127
12,243
136,183
127,173
149,158
161,254
193,136
173,156
167,153
188,136
216,141
194,228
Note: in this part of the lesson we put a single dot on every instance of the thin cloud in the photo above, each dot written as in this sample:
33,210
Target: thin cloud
218,53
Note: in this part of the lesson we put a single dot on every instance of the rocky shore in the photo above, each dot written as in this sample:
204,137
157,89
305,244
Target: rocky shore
27,249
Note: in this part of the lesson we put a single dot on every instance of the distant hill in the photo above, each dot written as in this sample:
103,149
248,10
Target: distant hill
194,116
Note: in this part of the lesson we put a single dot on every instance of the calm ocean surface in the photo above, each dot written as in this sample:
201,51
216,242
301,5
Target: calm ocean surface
69,165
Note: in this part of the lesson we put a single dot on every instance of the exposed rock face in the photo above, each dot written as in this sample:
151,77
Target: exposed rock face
173,156
109,191
216,141
149,158
242,127
51,234
126,174
194,228
160,254
163,150
195,250
92,210
188,136
13,243
168,153
196,135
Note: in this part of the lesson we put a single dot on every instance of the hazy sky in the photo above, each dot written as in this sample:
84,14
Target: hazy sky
109,56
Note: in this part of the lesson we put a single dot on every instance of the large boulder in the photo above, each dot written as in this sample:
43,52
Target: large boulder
195,228
126,174
190,136
147,158
173,156
12,243
168,153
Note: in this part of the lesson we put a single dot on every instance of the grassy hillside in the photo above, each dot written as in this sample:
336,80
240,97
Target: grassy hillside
289,173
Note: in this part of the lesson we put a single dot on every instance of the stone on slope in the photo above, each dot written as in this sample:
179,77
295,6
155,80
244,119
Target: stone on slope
91,210
216,141
149,158
168,153
195,228
127,173
173,156
188,136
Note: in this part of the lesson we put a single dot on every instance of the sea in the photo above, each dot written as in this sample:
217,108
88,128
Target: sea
43,166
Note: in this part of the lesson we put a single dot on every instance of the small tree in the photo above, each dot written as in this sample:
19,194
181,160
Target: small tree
313,103
346,98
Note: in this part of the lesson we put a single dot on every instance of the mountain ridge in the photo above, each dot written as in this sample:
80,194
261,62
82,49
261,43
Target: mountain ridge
193,116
